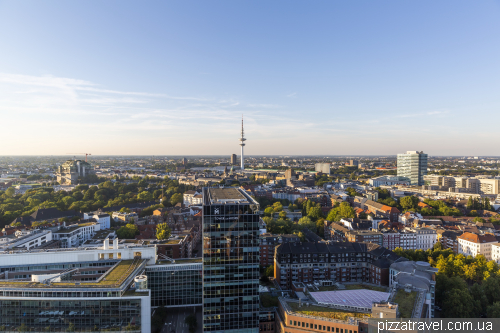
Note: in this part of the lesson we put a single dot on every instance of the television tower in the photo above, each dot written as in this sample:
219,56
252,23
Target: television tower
242,144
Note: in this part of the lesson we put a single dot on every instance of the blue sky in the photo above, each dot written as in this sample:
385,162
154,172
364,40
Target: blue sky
311,77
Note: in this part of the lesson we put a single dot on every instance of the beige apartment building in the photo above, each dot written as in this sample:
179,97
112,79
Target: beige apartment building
470,244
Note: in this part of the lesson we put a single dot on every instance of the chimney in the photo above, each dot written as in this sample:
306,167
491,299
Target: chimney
106,244
115,243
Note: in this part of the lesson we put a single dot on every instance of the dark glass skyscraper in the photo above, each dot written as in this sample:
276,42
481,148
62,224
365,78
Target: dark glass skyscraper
230,261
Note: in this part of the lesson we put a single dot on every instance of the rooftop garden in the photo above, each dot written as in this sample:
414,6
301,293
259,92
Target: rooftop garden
182,261
319,311
405,301
268,301
114,278
364,286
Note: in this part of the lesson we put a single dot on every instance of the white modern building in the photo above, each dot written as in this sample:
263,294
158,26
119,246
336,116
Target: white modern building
81,290
26,241
495,252
389,181
322,167
75,235
192,198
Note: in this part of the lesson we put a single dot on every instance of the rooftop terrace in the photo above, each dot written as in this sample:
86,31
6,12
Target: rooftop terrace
182,261
113,278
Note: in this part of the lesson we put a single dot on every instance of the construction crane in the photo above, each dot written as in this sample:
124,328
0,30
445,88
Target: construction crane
79,154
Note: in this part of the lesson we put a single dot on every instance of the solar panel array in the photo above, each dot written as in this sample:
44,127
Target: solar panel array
359,297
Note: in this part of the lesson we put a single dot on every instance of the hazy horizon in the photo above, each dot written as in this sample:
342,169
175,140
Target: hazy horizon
123,78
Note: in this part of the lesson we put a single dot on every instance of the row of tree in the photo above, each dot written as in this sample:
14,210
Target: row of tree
87,198
466,287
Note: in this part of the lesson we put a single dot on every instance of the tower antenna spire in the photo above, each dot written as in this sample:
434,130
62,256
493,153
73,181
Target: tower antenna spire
242,144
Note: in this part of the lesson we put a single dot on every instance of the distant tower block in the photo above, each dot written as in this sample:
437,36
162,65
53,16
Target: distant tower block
233,159
242,144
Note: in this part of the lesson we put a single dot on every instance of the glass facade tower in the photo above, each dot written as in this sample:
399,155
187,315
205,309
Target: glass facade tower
413,165
230,261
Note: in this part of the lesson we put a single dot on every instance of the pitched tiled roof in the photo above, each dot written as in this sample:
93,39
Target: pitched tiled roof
475,238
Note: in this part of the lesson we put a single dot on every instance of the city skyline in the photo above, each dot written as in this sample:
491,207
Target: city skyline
176,81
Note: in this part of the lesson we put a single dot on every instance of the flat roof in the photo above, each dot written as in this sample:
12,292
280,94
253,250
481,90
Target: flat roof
73,227
226,194
113,278
181,261
358,298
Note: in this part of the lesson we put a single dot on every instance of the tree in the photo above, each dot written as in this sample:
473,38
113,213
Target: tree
480,300
23,328
144,196
457,304
269,211
125,210
478,219
128,231
491,288
269,271
409,202
493,311
71,327
278,207
282,214
10,192
315,213
344,210
306,222
192,323
163,231
470,203
176,198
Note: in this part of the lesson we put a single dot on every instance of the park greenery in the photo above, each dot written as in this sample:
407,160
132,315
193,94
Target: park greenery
163,231
85,198
466,287
128,231
312,218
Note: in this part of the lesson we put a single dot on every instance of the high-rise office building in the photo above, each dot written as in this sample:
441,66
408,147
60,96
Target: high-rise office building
234,160
184,161
353,163
413,165
230,261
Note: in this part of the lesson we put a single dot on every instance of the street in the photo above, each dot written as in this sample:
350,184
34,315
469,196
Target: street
175,320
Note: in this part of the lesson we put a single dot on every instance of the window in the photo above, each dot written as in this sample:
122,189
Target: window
295,323
328,329
290,322
315,326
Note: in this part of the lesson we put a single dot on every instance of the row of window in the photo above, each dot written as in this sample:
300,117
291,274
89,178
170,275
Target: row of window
321,327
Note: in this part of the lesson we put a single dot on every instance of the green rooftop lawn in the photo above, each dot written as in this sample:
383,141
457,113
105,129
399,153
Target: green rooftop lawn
116,276
319,311
327,288
268,301
405,301
364,286
181,261
172,241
